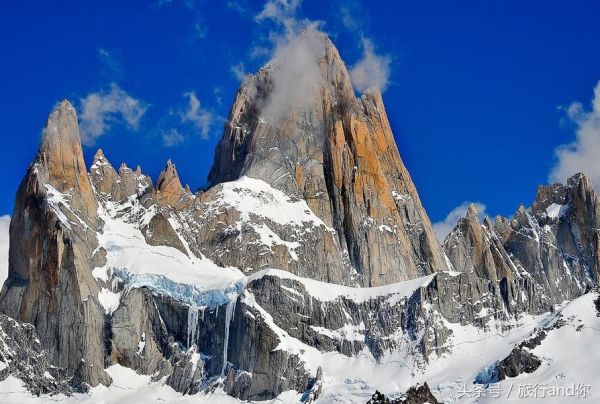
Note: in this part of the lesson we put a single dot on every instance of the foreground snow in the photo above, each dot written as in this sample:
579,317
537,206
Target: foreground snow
128,387
354,379
570,356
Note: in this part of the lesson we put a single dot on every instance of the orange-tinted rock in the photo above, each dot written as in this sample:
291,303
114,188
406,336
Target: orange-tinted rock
61,157
338,153
169,190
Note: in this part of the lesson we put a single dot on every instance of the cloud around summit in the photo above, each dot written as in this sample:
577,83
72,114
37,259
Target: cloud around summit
581,155
372,71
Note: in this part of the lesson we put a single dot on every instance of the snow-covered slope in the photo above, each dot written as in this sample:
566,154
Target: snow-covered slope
569,355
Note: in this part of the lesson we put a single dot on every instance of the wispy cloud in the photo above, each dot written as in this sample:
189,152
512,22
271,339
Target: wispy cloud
4,242
581,155
353,15
186,120
238,6
372,71
201,118
200,28
444,227
195,8
111,63
296,48
218,94
282,12
239,72
100,110
172,138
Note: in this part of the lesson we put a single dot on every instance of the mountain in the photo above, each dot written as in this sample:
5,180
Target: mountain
554,243
307,271
338,154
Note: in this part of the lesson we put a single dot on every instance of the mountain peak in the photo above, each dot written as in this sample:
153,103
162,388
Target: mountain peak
61,129
65,105
579,179
298,126
472,212
61,156
168,186
99,155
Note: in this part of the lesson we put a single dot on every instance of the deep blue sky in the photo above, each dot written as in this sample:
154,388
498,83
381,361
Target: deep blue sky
474,101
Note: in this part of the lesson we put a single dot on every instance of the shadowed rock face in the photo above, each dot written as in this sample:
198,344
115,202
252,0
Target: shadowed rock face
22,356
554,243
338,153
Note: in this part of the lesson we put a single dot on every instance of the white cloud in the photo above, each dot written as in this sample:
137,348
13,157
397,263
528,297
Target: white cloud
199,117
296,48
99,110
582,154
172,138
296,73
372,71
353,15
239,72
348,19
281,12
4,225
444,227
176,125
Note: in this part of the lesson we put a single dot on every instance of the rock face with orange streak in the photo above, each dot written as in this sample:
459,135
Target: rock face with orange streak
61,156
169,191
338,153
52,237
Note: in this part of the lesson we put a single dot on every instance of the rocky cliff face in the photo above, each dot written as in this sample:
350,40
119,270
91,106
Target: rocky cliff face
553,243
336,152
52,243
309,266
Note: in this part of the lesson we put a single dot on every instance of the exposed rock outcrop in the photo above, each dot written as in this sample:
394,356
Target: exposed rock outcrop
553,243
338,153
415,395
471,247
52,238
117,186
22,356
169,190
